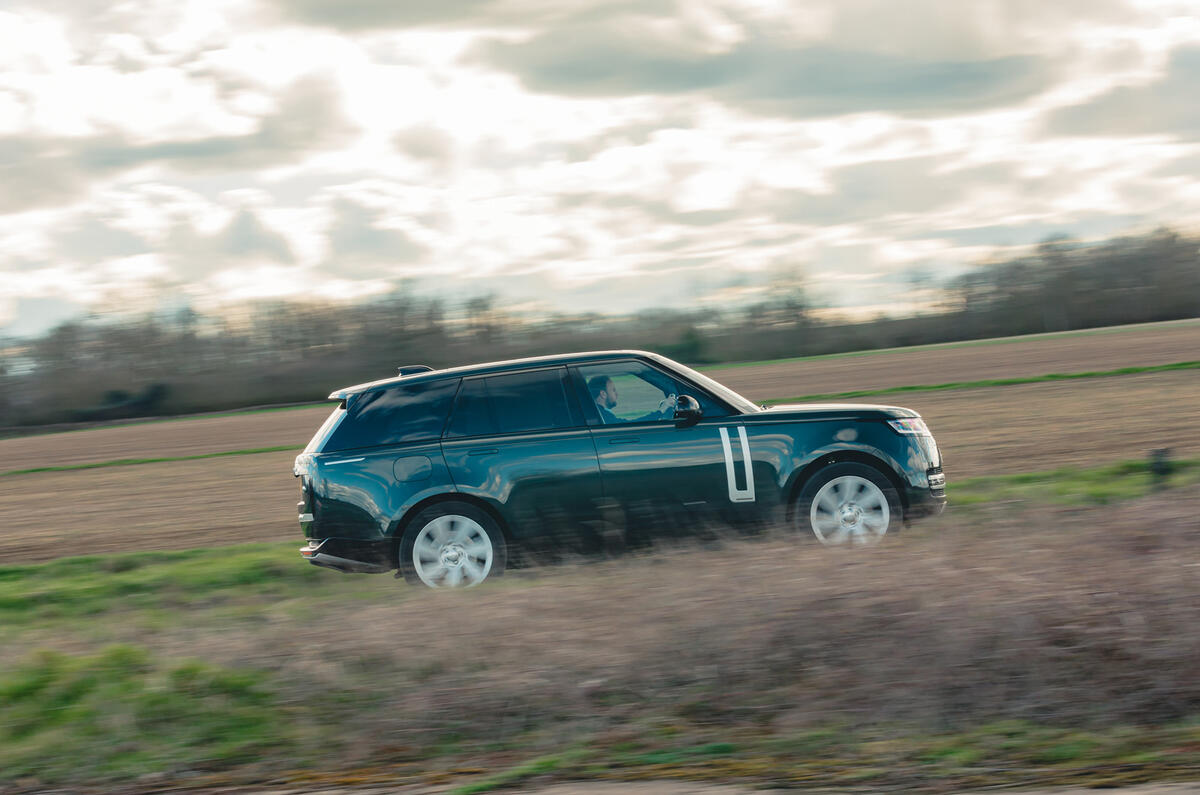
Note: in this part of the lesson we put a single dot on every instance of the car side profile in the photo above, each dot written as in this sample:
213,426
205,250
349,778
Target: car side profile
440,473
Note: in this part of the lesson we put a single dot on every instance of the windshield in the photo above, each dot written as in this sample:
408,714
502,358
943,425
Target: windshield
720,390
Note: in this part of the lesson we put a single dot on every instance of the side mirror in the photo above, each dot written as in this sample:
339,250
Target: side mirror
687,411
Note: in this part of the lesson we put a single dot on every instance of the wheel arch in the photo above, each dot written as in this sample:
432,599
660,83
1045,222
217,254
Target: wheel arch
805,474
400,526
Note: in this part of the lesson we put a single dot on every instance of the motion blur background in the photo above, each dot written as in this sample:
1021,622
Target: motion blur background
203,204
210,205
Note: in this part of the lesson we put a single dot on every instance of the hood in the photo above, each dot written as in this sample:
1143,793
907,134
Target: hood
815,411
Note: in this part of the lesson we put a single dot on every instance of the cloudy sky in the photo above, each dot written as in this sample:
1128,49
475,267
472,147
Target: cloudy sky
574,155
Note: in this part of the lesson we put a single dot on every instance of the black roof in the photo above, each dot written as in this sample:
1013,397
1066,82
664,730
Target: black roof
495,367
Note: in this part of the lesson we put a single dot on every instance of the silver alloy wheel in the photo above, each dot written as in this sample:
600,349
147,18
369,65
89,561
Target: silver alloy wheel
849,509
452,551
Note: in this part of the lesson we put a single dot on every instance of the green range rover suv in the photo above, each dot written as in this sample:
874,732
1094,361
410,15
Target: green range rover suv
439,473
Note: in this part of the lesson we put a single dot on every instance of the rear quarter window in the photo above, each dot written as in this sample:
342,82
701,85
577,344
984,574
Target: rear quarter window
395,415
327,427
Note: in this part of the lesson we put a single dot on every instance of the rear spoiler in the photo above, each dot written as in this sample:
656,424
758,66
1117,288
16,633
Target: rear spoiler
407,369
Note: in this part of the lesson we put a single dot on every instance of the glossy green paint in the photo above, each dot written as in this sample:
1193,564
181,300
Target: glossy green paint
555,482
356,494
802,442
542,483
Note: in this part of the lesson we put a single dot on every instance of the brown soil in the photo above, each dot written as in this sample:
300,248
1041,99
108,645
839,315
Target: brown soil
1018,357
997,430
165,439
184,504
179,505
1102,350
219,501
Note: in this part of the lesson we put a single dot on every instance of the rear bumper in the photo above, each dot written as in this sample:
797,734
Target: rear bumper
349,555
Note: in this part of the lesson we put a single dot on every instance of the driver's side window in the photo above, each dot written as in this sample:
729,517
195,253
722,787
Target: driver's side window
630,392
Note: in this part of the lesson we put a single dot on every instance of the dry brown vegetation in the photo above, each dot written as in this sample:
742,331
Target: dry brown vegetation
994,430
1076,617
1082,617
1034,644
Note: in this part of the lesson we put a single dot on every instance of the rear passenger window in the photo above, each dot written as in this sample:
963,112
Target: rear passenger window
395,415
512,403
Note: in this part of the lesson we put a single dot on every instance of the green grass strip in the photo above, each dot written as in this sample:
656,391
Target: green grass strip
1102,485
128,582
123,462
121,713
1033,379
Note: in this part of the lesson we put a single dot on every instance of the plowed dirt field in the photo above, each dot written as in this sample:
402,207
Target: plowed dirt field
1012,357
993,430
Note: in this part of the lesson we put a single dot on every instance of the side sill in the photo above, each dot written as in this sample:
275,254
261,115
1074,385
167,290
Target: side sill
346,566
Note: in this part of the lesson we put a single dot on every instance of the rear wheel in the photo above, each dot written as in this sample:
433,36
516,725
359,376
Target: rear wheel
847,504
452,545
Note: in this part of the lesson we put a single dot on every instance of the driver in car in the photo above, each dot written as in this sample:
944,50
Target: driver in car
604,392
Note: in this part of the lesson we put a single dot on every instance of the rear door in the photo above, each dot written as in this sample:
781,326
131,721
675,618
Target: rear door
519,441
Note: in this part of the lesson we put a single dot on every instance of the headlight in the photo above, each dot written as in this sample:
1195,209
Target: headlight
910,426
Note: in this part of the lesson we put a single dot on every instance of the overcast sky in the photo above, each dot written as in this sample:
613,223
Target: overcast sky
581,155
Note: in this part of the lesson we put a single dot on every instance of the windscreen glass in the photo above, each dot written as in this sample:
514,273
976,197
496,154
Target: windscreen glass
720,390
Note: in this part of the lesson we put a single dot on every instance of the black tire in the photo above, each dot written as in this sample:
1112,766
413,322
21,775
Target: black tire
856,505
452,544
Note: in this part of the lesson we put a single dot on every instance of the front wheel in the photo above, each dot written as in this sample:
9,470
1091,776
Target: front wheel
452,545
847,504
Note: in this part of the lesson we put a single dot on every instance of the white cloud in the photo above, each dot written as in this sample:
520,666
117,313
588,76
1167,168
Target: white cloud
582,157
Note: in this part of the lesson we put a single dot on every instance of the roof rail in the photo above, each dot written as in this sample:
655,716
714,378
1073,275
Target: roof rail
413,369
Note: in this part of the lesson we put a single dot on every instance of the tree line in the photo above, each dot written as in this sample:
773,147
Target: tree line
102,368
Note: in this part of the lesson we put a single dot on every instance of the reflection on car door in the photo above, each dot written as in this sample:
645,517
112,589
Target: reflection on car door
518,441
664,474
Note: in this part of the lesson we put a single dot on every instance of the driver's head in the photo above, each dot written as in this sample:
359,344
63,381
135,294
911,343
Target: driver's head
604,391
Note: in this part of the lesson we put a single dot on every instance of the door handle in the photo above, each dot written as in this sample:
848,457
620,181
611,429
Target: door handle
483,451
623,440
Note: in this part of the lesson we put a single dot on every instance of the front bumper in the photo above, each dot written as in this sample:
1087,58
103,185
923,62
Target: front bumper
929,500
349,555
928,506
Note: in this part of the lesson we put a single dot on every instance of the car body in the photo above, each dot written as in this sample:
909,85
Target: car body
439,473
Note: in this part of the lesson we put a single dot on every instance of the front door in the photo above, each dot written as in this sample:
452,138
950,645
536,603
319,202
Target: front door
662,476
